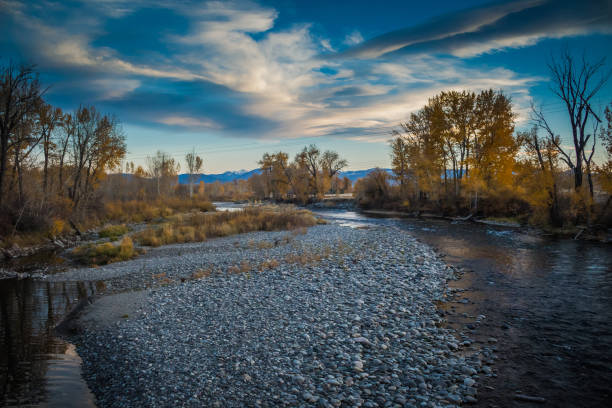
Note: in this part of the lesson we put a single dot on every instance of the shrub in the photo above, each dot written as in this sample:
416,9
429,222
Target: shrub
57,228
105,253
113,232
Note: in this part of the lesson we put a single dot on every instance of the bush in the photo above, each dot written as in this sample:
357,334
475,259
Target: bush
105,253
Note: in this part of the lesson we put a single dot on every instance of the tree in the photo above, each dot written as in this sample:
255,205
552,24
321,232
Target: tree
494,147
163,169
97,144
331,163
542,168
576,83
194,165
49,119
20,94
400,162
605,170
309,159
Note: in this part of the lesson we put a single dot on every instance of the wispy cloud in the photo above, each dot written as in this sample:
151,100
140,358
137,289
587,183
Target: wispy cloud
229,68
492,27
189,122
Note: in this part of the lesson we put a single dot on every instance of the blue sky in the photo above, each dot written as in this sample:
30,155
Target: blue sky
234,79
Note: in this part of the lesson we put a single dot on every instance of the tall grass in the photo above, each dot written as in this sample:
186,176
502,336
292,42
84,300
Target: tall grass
105,253
141,211
113,231
198,227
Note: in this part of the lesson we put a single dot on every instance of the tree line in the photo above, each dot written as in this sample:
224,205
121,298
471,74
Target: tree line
310,175
460,154
51,162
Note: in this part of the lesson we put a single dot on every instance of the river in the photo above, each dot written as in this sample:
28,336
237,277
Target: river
548,308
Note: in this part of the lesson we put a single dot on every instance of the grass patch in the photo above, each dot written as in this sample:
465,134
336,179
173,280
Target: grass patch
102,254
142,211
113,232
196,227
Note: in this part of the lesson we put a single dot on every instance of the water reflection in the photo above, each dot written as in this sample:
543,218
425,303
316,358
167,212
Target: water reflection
29,352
228,206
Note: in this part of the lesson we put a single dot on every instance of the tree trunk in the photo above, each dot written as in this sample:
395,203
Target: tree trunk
578,176
3,160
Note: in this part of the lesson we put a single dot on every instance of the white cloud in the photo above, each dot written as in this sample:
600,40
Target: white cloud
113,88
189,122
353,38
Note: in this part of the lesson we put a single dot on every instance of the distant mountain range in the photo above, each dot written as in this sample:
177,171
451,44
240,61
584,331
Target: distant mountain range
221,177
353,175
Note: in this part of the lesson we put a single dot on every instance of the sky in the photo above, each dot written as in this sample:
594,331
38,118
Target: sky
235,79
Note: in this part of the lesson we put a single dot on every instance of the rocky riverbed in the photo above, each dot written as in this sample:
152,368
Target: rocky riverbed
332,317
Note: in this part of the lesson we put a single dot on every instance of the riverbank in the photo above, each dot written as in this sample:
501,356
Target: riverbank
577,232
334,316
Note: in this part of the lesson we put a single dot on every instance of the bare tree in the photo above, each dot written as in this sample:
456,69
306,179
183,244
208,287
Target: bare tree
194,166
48,119
20,93
162,168
576,83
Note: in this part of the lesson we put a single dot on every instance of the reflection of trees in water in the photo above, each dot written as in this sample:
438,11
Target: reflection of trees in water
29,311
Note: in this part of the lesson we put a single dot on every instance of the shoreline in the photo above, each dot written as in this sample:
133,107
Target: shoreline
577,233
295,276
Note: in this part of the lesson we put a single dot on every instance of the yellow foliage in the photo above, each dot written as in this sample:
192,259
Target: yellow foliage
57,228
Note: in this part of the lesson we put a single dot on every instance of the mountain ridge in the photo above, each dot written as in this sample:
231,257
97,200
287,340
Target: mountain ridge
228,176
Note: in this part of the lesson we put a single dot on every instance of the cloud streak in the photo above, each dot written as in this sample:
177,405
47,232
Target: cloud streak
495,26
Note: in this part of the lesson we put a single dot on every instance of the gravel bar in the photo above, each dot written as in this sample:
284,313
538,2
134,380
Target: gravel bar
333,317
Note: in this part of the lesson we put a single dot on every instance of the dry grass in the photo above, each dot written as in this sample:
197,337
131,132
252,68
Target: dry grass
141,211
196,227
308,256
105,253
113,232
201,273
268,264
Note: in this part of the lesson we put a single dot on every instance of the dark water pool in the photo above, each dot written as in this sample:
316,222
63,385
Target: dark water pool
36,367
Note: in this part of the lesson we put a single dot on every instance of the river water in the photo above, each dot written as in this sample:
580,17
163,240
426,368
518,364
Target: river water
548,304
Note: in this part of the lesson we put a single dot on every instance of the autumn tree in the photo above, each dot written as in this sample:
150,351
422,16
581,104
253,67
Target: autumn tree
494,147
97,145
458,139
541,171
